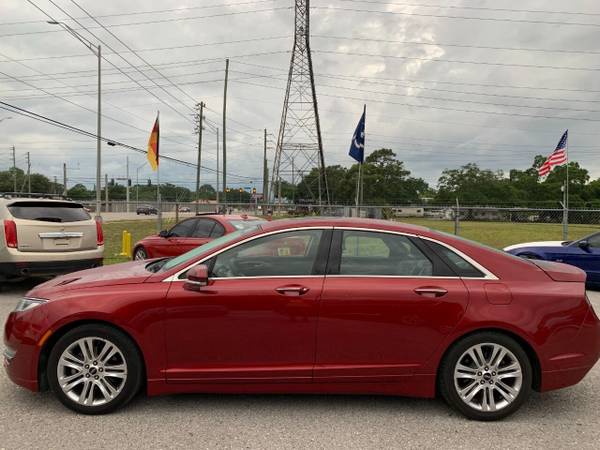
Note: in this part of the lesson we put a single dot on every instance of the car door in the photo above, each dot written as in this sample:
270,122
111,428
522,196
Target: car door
387,304
170,244
257,318
200,235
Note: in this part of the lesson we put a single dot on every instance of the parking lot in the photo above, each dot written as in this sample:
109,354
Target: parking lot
566,418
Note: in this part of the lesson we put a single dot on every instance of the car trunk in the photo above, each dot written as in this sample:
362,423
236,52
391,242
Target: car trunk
53,227
559,271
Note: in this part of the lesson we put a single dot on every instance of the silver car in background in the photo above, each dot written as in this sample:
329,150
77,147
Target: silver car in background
46,236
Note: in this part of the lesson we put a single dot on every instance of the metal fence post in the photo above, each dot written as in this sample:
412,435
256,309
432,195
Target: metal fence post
457,219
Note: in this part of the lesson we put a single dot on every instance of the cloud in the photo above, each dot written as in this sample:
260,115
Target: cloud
434,113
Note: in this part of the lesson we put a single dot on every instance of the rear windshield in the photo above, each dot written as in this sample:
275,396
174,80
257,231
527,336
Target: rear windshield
245,223
49,211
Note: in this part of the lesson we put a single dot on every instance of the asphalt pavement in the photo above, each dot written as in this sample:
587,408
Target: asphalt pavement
566,418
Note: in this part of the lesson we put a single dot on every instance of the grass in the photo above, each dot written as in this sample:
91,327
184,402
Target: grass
502,234
113,232
494,234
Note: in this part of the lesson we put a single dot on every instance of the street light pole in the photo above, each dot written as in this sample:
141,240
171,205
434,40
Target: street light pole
96,50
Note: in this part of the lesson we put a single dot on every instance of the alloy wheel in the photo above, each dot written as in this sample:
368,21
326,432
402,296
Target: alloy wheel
92,371
488,377
139,254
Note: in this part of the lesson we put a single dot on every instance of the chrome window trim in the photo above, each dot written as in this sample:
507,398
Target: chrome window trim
175,277
488,275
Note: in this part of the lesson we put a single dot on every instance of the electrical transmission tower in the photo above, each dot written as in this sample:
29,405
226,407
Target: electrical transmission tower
299,144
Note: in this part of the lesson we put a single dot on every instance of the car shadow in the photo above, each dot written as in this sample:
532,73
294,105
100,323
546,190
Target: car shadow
20,286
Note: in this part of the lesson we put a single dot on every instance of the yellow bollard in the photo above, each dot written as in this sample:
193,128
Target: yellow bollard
129,249
125,244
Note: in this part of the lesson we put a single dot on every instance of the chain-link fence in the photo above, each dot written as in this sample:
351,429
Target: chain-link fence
397,212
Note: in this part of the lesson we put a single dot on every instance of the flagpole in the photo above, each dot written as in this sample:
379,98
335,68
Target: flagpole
364,150
566,202
158,199
358,187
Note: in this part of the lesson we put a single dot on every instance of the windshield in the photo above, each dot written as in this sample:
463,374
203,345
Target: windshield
49,211
246,223
192,254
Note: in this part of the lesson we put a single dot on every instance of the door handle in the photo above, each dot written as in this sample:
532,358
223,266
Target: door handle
431,291
292,290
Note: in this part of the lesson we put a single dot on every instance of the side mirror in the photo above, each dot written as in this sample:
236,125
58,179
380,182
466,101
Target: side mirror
164,233
197,277
584,245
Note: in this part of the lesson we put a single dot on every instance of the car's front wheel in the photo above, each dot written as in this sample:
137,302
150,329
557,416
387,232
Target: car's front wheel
486,376
94,369
140,253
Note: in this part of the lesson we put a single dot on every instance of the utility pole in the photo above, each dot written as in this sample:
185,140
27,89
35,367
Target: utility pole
54,185
106,192
127,181
225,135
218,168
28,173
14,154
200,119
97,51
265,172
65,179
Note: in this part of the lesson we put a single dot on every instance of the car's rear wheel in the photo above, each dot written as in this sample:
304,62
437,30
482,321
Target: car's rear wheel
486,376
94,369
140,253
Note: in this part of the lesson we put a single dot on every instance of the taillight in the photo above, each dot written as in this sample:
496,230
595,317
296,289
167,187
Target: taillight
99,234
10,233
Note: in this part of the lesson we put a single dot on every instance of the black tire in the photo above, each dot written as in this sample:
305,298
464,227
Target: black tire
129,351
448,388
141,251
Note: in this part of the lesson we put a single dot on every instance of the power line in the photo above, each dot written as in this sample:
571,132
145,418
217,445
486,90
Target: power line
127,62
366,80
445,16
134,52
475,8
442,44
157,49
150,22
457,61
370,100
456,83
156,11
39,117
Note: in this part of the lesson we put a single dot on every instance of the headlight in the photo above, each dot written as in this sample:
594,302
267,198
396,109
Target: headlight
29,303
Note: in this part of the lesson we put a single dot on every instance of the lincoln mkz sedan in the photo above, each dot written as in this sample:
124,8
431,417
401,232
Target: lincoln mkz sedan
310,306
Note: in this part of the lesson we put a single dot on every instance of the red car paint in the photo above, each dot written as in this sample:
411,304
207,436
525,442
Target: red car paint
157,246
356,334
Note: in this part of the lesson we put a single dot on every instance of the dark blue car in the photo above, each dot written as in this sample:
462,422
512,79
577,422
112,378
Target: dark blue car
583,253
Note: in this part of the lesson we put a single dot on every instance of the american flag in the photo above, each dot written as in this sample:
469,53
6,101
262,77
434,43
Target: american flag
557,158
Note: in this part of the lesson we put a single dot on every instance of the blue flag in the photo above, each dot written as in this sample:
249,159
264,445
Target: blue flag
357,147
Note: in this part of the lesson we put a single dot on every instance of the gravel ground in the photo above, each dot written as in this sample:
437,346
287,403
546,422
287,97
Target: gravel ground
560,419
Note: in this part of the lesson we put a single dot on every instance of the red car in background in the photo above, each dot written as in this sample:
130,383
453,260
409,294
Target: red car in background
191,233
317,305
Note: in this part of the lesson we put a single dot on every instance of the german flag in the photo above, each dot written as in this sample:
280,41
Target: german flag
153,146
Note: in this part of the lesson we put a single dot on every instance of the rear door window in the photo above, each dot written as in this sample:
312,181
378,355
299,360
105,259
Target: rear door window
372,253
49,211
203,228
183,229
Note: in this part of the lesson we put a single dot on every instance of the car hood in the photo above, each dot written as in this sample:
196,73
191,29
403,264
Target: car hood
534,244
125,273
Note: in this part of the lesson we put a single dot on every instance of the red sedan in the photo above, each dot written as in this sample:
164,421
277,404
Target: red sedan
191,233
310,306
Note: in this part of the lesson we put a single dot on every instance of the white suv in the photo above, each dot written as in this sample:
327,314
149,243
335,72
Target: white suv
42,236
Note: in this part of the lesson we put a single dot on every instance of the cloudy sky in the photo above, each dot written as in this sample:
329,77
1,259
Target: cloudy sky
491,82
